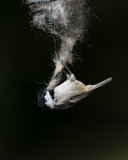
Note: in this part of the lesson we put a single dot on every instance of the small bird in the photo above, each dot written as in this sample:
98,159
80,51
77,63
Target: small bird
66,94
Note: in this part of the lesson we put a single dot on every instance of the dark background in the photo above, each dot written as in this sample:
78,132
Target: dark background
94,129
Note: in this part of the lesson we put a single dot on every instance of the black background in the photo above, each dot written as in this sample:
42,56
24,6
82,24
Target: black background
94,129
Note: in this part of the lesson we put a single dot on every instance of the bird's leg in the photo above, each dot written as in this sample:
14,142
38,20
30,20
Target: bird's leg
69,74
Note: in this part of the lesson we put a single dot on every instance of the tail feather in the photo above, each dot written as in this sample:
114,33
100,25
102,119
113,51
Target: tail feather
92,87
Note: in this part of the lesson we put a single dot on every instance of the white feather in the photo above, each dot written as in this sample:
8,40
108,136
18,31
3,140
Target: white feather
49,101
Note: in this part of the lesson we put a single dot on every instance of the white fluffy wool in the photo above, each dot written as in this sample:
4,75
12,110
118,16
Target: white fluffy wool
69,19
69,16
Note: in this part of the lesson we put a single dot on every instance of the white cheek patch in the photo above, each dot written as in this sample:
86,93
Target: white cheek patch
49,101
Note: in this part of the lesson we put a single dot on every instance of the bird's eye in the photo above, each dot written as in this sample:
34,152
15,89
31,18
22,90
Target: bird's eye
52,93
